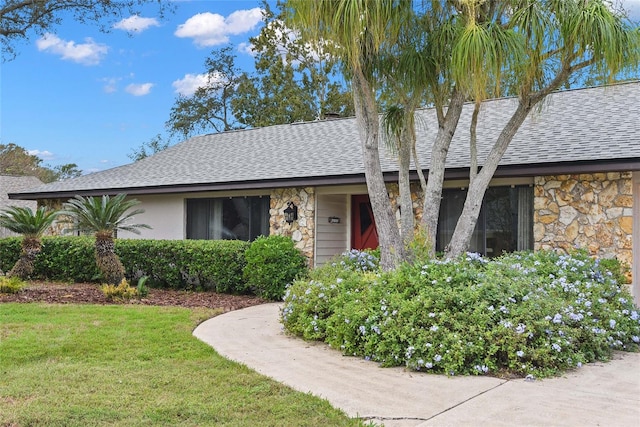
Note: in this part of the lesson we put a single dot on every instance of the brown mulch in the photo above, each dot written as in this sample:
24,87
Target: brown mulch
90,293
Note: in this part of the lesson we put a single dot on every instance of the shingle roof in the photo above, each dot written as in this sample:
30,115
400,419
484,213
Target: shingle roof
14,184
597,124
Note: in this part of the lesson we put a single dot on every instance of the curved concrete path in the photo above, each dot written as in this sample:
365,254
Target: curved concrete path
599,394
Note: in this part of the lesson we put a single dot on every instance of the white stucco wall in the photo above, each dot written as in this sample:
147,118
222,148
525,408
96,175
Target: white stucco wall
164,213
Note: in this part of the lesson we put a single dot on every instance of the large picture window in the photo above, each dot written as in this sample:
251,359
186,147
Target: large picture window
231,218
505,223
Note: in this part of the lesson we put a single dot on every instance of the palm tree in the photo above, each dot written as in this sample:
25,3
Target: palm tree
31,226
533,48
104,217
360,31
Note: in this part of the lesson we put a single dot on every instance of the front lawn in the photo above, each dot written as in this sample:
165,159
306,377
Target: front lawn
79,365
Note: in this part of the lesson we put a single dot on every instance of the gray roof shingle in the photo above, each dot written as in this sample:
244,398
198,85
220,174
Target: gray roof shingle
15,184
572,126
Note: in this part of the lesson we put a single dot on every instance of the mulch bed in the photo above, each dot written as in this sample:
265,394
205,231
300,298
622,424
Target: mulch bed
90,293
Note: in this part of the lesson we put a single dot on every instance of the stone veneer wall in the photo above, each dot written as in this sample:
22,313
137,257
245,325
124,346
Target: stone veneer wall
59,226
301,231
417,201
590,211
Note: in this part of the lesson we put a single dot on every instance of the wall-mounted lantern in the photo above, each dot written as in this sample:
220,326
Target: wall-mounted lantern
334,220
291,213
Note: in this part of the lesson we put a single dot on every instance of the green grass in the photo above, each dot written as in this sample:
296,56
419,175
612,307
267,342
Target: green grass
84,365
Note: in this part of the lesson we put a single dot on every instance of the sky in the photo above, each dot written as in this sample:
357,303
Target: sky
79,95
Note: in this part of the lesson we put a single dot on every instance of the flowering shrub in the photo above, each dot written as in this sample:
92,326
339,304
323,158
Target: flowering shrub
356,260
524,313
310,303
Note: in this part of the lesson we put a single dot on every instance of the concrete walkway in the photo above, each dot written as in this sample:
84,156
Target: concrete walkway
599,394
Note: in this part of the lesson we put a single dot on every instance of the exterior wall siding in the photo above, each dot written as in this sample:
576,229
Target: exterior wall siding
590,211
331,238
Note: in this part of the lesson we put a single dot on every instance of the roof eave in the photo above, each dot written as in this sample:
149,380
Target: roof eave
508,171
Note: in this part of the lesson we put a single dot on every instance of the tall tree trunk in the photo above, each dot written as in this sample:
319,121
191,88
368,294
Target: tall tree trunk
23,268
416,162
108,262
391,250
478,187
473,141
404,185
439,150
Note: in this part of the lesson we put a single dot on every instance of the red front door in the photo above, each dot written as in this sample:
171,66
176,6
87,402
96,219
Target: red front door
363,227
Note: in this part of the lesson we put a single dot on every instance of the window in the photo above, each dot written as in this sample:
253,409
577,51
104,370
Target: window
505,223
233,218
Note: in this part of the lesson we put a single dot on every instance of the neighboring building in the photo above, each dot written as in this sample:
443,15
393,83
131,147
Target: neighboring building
16,184
570,178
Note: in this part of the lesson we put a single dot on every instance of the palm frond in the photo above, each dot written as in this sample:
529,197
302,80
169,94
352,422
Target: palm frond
23,220
358,27
102,214
482,53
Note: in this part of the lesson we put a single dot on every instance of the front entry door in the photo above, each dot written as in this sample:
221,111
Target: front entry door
363,227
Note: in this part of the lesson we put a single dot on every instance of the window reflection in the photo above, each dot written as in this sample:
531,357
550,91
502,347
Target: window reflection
233,218
505,223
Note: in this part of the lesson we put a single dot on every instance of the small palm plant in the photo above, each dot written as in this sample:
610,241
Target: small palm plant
31,226
104,217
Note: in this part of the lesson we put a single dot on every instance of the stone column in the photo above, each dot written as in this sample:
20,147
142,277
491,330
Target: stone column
302,231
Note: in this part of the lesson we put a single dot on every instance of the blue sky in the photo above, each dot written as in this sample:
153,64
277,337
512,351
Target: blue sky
78,95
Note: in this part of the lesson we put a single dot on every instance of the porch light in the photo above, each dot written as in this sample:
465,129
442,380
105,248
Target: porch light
291,213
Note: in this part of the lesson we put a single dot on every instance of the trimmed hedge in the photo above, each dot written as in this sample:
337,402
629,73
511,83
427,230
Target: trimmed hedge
67,259
272,263
215,265
9,252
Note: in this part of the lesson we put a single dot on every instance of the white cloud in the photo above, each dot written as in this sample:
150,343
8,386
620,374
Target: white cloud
136,24
88,53
110,84
247,48
44,155
210,29
242,21
141,89
188,85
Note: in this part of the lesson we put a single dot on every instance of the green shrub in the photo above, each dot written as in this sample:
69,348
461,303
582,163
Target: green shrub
272,263
213,265
522,314
120,292
68,259
9,252
11,285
